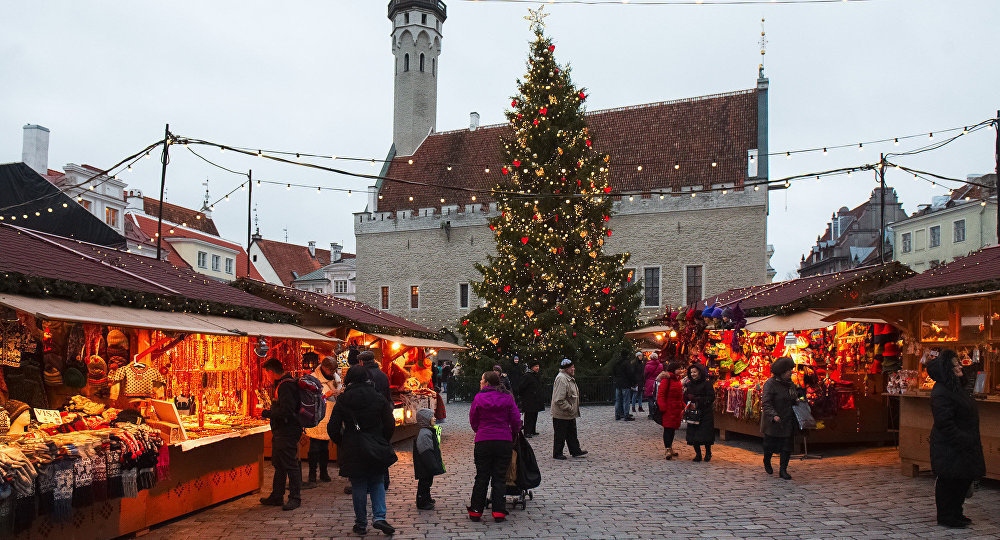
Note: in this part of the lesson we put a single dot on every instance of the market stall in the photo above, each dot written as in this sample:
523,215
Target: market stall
840,367
125,397
955,306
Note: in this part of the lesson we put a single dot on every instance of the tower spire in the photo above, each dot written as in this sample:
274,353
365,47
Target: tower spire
416,46
763,48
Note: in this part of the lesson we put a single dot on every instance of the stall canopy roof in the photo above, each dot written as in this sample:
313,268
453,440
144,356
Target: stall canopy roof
421,342
647,331
64,310
809,319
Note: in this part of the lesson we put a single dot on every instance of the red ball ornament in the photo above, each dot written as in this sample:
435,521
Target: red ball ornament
583,96
524,239
535,121
608,232
492,228
588,143
543,110
465,322
520,116
513,103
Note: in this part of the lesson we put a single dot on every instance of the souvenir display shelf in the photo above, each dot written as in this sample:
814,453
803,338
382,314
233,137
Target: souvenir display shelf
217,455
972,329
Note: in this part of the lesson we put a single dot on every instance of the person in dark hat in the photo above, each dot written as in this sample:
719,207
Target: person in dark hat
777,419
532,399
956,445
504,380
285,433
565,410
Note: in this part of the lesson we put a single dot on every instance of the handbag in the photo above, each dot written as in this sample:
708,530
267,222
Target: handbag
691,413
373,448
804,415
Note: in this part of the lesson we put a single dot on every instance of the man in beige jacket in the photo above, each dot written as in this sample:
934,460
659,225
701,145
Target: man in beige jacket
565,410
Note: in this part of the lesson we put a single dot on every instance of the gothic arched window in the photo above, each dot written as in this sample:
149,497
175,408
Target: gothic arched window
421,62
406,62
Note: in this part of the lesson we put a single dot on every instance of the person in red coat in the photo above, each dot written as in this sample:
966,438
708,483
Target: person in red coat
670,400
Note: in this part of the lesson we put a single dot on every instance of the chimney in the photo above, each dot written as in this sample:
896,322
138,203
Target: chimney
35,148
473,121
373,199
312,248
336,252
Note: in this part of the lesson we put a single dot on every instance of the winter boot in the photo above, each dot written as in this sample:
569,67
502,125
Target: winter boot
312,474
783,462
767,463
474,515
697,453
708,452
670,453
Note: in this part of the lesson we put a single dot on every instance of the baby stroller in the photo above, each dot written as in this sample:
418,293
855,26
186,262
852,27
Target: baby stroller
522,475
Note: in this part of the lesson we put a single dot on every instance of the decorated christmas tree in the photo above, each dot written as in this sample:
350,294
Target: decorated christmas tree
550,291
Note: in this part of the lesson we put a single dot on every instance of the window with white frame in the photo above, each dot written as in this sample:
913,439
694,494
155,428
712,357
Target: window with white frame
907,243
202,259
959,227
651,286
216,263
694,276
339,286
935,237
229,265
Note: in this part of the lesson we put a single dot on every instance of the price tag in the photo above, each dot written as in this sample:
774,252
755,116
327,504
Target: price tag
48,416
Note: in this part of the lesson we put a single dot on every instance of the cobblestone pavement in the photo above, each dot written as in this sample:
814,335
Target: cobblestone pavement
625,489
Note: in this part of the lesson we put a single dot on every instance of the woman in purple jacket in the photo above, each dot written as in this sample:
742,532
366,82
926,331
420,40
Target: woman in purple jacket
495,419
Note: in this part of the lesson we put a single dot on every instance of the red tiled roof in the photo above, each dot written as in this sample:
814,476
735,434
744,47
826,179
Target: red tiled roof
692,132
148,227
961,275
349,310
180,215
43,255
286,258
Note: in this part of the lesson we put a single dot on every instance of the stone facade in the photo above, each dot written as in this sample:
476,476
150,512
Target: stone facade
436,250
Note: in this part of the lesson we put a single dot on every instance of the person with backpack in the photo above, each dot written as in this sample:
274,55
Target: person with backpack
427,460
285,433
319,441
361,425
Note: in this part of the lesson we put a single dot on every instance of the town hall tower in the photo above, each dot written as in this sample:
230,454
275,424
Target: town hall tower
416,45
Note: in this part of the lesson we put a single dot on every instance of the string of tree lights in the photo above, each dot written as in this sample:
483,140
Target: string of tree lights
678,163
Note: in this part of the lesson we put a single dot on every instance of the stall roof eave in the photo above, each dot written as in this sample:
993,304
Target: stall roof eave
810,319
647,331
81,312
257,328
421,342
873,310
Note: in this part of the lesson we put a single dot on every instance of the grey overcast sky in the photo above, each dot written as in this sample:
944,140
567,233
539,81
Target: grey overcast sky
316,76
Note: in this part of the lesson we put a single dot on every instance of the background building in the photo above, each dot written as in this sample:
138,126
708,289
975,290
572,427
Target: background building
952,226
852,237
335,279
418,244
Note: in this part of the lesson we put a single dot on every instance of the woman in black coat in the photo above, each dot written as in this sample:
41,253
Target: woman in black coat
700,395
362,409
777,419
956,447
532,398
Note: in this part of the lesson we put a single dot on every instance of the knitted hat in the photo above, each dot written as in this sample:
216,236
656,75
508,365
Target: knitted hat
74,378
15,408
117,343
781,366
52,377
566,363
717,313
97,368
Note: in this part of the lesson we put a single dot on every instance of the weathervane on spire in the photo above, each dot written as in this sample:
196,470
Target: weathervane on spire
536,17
763,47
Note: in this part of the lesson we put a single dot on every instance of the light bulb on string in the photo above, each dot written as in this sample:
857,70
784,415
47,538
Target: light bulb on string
896,141
788,155
288,187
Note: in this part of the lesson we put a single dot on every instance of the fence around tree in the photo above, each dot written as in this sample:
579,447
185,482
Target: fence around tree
593,390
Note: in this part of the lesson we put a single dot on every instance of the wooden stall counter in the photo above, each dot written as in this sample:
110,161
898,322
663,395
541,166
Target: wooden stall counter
203,472
916,420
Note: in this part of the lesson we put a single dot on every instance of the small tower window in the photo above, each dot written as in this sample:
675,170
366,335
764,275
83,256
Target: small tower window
406,18
406,62
423,18
421,62
434,63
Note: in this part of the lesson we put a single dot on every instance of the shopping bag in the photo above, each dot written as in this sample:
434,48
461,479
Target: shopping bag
804,415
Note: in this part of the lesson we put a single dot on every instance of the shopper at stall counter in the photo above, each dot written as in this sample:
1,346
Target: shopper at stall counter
653,368
670,400
362,405
956,447
777,419
285,433
319,440
565,409
380,381
532,398
699,394
427,459
495,419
